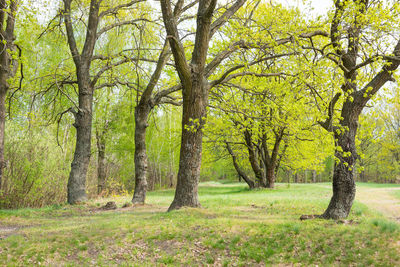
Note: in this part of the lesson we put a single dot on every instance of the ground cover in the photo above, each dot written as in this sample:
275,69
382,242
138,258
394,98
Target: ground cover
234,227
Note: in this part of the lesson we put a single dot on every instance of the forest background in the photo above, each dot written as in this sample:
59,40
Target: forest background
275,104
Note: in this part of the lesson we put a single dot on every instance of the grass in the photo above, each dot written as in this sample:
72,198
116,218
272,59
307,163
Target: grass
235,227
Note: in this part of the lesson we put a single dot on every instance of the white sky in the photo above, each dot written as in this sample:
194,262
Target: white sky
320,7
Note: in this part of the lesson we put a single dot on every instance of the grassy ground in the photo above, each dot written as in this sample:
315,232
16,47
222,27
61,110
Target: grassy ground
235,227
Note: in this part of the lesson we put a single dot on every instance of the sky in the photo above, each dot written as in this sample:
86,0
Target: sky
320,6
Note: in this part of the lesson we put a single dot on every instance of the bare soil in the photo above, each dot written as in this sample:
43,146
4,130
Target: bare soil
6,231
380,199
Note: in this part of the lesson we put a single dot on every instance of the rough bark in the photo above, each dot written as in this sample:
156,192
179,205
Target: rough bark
259,172
141,160
87,83
272,159
8,66
344,187
83,116
142,111
195,99
80,163
194,113
270,178
195,90
343,176
3,93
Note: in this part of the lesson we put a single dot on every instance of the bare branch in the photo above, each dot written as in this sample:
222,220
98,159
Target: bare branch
176,46
327,124
114,10
218,23
119,24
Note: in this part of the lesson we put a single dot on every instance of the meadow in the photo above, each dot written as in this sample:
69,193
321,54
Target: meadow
234,227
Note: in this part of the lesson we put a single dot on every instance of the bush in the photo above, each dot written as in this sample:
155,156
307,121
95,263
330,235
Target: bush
36,174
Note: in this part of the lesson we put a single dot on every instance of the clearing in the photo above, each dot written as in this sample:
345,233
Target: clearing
235,227
382,199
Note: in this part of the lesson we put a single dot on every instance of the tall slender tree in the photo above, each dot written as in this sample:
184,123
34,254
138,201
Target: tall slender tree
149,99
87,83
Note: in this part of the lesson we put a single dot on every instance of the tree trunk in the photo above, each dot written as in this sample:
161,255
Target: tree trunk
8,66
80,164
83,117
258,171
344,190
101,164
288,175
193,119
314,176
3,92
270,177
195,89
170,179
344,187
141,161
240,172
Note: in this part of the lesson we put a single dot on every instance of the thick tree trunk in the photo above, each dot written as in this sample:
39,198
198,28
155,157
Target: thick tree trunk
195,89
258,171
270,177
344,187
141,160
194,115
344,190
8,66
80,164
3,93
83,116
101,164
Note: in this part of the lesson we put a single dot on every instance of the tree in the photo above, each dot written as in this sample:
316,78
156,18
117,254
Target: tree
359,38
195,90
8,65
87,84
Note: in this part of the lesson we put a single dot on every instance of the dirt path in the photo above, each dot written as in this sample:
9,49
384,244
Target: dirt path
6,231
380,199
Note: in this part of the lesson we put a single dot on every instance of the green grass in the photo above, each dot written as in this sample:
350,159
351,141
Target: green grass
234,227
375,185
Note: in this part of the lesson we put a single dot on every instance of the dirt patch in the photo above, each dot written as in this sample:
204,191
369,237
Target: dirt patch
382,200
6,231
347,222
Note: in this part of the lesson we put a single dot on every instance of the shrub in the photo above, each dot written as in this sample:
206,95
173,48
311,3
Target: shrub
36,174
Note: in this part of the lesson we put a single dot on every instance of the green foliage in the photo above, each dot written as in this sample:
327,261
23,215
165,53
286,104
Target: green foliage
36,173
379,140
